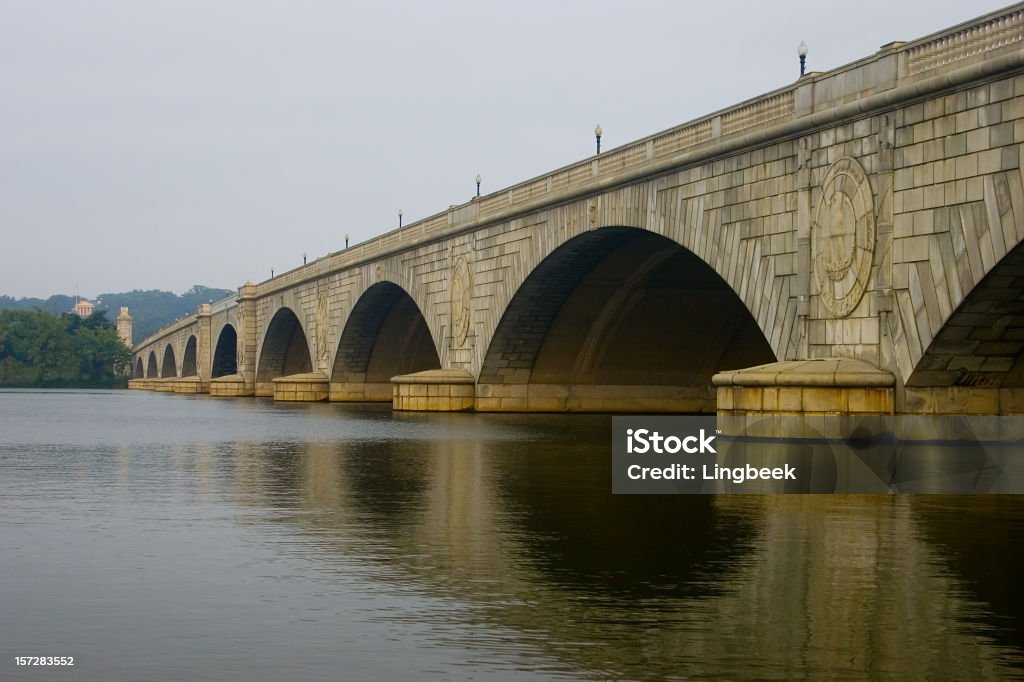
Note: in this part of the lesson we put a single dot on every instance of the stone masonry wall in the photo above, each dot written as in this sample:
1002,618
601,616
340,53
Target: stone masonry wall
855,214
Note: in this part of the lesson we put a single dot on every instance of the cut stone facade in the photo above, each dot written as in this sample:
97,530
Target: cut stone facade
874,212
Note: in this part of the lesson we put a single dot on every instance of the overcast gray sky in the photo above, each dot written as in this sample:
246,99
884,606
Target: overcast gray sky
156,145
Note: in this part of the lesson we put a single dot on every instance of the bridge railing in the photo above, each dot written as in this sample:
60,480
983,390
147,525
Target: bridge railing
224,304
162,335
963,42
969,41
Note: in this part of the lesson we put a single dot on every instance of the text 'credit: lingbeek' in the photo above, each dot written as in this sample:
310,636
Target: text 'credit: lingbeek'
867,455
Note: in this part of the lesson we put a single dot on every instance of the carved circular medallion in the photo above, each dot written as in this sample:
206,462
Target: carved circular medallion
843,236
461,295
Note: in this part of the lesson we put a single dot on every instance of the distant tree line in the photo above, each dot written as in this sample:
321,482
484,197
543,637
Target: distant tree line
39,349
150,310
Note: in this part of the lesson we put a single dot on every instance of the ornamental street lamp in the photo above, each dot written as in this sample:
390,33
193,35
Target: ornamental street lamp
478,179
346,240
399,219
802,51
597,134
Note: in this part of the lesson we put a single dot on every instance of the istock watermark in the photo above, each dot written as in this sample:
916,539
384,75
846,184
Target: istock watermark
710,455
642,441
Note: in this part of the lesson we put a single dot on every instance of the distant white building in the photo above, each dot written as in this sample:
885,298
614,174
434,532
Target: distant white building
83,308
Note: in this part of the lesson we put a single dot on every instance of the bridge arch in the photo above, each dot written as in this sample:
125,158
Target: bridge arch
618,319
169,367
188,361
285,351
225,354
981,343
385,335
139,370
151,367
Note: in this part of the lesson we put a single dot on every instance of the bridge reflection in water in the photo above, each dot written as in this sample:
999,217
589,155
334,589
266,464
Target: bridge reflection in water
517,525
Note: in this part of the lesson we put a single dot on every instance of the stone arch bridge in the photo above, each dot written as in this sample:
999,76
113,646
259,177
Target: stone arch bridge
850,243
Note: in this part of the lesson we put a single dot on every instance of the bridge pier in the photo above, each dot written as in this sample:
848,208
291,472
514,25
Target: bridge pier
806,388
617,398
355,391
163,385
231,386
190,385
436,390
302,388
843,386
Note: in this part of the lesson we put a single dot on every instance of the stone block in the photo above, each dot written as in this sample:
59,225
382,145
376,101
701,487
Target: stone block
966,120
1001,90
990,161
1001,135
1009,158
966,166
977,140
514,405
770,399
870,400
790,399
982,401
487,405
955,145
916,401
827,400
1011,401
547,404
461,391
749,398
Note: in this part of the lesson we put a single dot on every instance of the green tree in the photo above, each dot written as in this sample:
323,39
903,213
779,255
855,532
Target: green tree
150,310
38,349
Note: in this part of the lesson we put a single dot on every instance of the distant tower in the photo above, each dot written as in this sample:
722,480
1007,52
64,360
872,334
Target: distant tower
124,326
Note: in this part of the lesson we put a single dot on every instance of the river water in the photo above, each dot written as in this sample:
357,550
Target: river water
155,536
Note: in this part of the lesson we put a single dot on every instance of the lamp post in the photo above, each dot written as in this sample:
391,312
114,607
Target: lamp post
802,51
478,179
399,219
303,258
597,135
346,240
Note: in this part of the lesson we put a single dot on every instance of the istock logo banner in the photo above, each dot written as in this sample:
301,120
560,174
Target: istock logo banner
841,454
